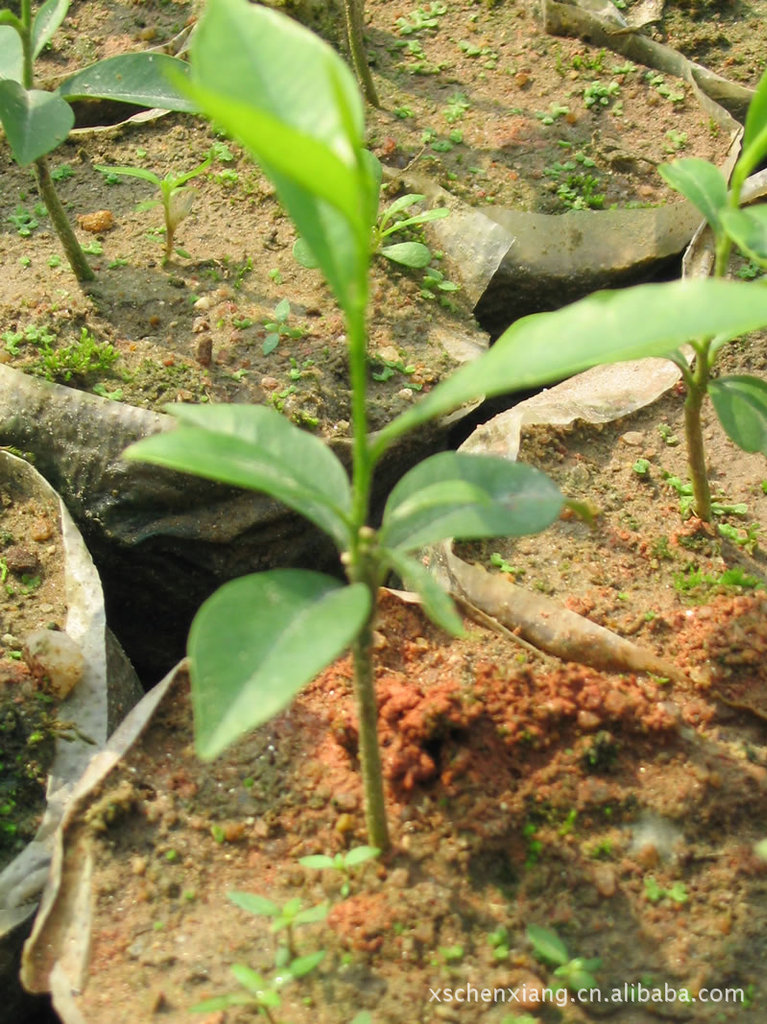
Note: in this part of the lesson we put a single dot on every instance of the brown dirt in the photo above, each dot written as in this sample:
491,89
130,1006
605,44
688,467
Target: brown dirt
32,597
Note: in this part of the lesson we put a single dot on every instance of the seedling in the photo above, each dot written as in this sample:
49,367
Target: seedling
658,82
79,361
641,467
257,641
408,254
175,199
284,918
434,282
421,19
278,328
456,107
499,941
263,994
37,122
740,401
342,862
556,110
550,949
654,892
500,563
600,94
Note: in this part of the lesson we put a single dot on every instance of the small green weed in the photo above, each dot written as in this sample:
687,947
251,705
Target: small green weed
24,221
572,973
500,563
600,94
584,62
675,141
658,82
499,941
62,173
278,328
555,111
341,862
456,107
654,892
421,19
78,361
284,918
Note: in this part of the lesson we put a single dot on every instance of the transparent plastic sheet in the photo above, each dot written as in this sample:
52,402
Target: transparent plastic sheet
88,707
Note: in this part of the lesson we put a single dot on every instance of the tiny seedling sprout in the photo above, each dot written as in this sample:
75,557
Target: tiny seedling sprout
175,198
341,862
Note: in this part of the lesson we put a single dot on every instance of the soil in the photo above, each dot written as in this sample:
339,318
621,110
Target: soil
618,809
32,597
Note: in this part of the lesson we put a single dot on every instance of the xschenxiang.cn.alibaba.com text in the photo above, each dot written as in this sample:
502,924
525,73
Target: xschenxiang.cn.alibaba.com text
530,996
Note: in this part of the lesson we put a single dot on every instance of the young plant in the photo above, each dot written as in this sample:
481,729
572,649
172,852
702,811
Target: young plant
571,973
284,918
409,254
36,122
342,862
278,328
262,994
175,199
740,401
291,101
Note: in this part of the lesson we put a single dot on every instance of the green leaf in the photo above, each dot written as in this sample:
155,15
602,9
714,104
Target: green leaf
437,603
258,640
255,983
303,965
398,205
303,255
409,254
253,903
11,54
700,182
756,118
312,914
46,21
741,405
547,944
131,172
607,327
748,229
140,78
419,218
222,1003
294,104
360,854
35,122
467,496
255,447
318,861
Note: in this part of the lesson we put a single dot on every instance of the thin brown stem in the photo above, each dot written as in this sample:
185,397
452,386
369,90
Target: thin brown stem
353,13
60,221
369,751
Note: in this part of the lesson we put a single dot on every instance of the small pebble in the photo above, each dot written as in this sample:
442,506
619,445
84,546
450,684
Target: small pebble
55,659
633,437
20,560
96,222
41,529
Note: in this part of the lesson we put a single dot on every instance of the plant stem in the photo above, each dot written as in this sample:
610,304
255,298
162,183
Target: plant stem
45,186
370,754
60,221
696,456
363,568
353,10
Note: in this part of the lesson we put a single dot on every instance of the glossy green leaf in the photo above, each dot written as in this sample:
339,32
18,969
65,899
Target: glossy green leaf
547,944
294,104
46,22
140,78
607,327
437,603
438,213
258,640
35,122
468,496
398,205
360,854
255,447
11,54
741,405
409,254
748,229
756,118
253,903
701,182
